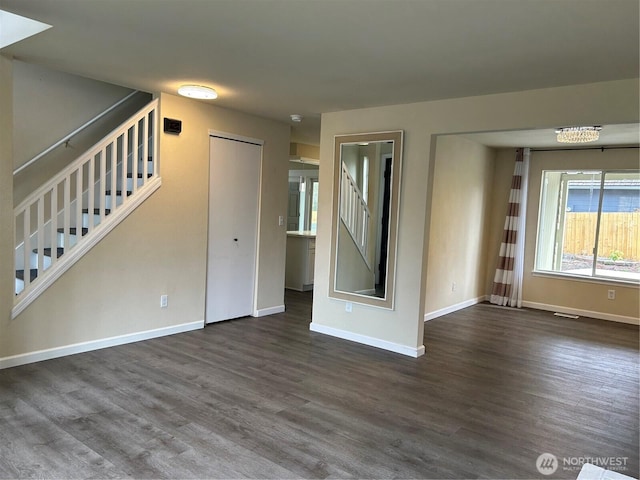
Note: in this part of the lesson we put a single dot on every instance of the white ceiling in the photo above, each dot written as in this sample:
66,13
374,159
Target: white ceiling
277,57
620,134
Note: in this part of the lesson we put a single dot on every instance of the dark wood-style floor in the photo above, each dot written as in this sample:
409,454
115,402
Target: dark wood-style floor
266,398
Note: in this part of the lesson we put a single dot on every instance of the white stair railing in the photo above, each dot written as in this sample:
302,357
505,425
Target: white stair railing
65,217
354,212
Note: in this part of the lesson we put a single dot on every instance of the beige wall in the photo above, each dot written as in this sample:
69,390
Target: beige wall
304,150
6,194
461,212
354,275
48,104
192,145
504,164
600,103
162,247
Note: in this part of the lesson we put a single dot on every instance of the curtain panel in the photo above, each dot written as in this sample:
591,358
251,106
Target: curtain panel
507,282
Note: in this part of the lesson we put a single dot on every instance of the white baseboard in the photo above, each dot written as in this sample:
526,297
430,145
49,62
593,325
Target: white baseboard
371,341
582,313
262,312
537,306
40,355
454,308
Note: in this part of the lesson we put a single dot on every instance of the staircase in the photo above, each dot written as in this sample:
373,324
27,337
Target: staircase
63,219
355,213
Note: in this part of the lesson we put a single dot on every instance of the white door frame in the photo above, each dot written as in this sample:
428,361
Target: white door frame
254,141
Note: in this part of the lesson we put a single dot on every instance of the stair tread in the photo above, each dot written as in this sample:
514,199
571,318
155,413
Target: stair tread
118,192
72,230
96,211
47,251
140,175
33,274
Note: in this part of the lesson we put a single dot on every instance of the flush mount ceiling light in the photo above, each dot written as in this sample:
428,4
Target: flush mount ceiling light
578,134
198,91
296,118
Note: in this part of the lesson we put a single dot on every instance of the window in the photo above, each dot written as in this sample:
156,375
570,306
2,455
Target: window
313,222
308,204
589,224
303,200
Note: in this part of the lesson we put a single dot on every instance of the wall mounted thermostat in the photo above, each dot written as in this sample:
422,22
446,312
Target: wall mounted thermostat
171,125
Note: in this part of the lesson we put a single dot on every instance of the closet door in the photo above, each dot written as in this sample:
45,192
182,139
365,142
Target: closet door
234,194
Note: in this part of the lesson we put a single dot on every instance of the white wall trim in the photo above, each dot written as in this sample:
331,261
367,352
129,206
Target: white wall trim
583,313
262,312
371,341
40,355
538,306
454,308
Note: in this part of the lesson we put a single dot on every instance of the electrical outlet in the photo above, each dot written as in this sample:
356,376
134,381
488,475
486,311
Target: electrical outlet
164,301
348,307
611,294
453,286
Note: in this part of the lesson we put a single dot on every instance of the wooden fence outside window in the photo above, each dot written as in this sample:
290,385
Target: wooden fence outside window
619,235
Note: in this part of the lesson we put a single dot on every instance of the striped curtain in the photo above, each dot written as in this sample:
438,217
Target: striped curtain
507,283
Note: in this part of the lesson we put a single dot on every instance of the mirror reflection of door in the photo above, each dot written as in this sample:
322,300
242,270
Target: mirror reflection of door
383,236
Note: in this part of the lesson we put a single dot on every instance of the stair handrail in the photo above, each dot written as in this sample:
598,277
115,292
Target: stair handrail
80,159
69,136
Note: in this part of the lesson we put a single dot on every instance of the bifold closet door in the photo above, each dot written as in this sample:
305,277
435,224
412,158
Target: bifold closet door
234,189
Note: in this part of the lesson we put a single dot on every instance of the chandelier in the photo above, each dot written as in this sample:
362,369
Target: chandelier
578,134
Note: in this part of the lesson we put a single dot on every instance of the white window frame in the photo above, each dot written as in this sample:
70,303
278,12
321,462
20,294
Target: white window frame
593,277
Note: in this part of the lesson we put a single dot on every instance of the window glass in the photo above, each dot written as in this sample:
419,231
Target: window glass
618,240
577,215
314,205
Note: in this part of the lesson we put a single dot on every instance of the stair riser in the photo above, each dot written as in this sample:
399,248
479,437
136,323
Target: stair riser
72,241
86,220
108,201
140,182
33,261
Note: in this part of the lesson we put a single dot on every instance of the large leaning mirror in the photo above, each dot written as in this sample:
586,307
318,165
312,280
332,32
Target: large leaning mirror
365,211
